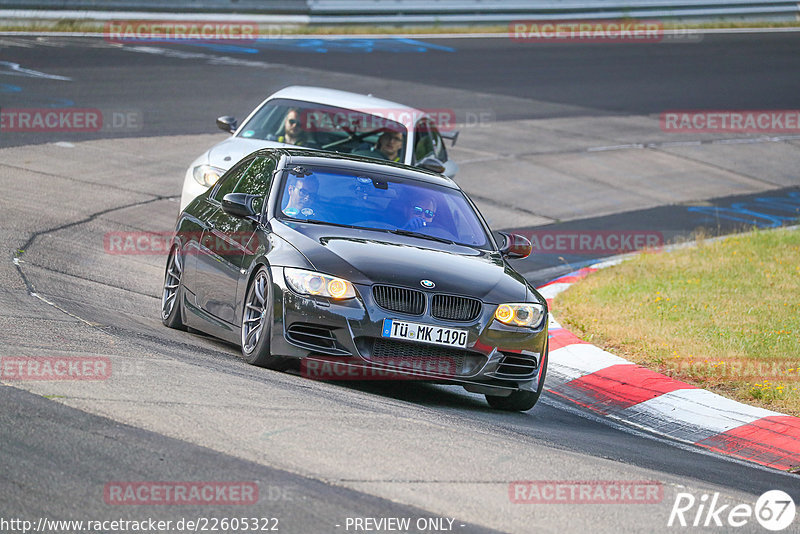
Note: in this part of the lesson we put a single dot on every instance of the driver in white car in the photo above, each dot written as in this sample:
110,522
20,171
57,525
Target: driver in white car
293,131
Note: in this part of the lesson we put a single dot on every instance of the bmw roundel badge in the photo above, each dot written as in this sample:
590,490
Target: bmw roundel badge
427,284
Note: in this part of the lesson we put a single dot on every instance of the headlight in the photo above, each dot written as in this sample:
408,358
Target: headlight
523,314
207,175
311,283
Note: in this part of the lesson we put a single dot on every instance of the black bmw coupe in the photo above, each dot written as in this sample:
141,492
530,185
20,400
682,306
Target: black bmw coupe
358,269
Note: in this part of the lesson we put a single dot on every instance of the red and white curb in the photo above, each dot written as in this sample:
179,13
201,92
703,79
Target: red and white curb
614,387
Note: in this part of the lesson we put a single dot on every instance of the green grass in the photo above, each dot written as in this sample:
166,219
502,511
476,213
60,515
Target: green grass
724,315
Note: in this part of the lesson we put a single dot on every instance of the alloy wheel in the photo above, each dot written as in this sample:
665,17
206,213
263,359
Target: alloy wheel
172,281
255,311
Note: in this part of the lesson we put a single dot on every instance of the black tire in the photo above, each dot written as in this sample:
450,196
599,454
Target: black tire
257,323
173,291
521,400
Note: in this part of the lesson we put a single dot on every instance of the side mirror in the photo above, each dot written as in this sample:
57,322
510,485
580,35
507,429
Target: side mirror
452,136
239,205
432,164
227,123
515,246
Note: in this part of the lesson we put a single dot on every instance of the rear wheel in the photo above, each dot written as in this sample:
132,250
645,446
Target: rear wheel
521,400
170,297
257,322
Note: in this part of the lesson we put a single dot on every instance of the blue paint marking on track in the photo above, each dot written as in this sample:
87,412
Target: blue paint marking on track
8,88
424,47
226,48
352,45
761,212
61,103
313,45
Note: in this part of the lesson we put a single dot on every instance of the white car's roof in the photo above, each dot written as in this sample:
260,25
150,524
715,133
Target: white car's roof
344,99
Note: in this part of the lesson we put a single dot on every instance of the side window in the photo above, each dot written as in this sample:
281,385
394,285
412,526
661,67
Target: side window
253,177
438,145
256,181
428,141
230,179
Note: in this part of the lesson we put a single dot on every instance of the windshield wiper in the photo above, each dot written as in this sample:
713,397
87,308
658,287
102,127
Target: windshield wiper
400,231
317,221
397,231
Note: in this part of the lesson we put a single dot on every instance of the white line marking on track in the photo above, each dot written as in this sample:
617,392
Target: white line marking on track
629,427
14,69
581,359
700,408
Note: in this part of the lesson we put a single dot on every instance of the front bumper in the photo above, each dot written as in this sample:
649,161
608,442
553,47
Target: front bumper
347,336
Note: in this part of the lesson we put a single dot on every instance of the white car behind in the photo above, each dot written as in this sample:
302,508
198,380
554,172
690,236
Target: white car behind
335,121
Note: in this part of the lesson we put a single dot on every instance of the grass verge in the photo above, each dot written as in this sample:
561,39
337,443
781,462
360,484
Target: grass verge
723,315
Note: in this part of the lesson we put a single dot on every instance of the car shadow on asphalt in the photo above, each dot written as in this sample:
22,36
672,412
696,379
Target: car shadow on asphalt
420,393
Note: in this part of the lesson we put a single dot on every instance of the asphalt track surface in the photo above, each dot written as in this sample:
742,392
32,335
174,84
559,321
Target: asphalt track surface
190,409
177,96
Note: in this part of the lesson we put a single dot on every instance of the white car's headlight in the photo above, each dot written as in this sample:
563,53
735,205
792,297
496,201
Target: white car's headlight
313,283
520,314
207,175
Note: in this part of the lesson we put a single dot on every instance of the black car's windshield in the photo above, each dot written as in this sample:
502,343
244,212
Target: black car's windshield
384,203
375,134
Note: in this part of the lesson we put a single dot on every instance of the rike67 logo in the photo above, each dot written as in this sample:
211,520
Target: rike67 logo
774,510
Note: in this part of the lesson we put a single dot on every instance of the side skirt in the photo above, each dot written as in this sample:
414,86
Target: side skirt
199,319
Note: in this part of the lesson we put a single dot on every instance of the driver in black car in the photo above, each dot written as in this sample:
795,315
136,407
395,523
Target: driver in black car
301,192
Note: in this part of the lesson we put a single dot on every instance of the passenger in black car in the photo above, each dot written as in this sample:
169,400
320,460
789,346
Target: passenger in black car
420,213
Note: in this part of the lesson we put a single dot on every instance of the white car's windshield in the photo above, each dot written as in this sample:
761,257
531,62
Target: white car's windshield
387,203
329,128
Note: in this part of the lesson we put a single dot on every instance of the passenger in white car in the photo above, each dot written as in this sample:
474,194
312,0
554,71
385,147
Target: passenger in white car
388,146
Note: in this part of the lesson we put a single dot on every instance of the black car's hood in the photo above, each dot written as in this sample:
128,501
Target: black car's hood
368,257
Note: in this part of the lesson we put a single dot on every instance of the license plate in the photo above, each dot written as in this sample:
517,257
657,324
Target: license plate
424,333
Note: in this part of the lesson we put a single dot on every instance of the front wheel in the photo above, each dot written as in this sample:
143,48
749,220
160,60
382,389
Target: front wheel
170,297
257,322
521,400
